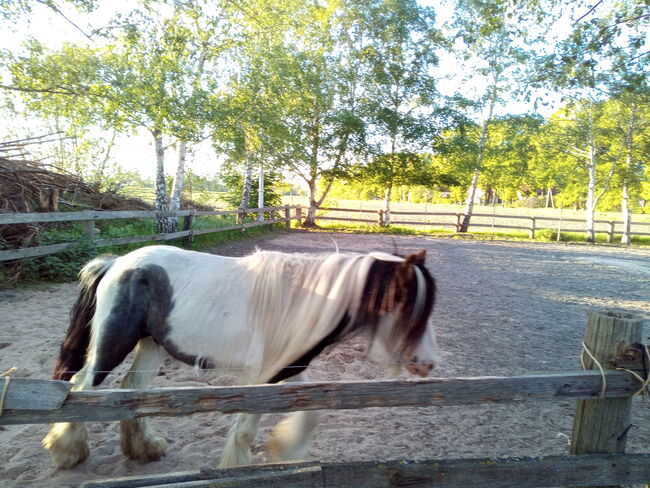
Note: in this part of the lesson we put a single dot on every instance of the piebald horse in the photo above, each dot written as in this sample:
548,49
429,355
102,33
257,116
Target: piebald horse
266,316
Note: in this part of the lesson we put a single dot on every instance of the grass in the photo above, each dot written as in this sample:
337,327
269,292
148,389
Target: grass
542,235
65,265
546,231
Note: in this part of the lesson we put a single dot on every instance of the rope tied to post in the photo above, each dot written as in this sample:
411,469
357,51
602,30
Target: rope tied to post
7,377
644,382
603,384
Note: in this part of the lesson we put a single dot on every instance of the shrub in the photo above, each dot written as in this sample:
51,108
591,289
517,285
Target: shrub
62,266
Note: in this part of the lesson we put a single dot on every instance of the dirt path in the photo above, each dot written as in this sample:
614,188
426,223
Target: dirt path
503,308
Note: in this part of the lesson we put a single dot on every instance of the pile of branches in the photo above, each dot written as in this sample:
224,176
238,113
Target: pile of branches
27,186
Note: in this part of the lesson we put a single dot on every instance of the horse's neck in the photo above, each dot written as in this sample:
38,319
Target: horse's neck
297,301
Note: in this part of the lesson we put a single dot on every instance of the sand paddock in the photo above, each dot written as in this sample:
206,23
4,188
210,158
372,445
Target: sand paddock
503,308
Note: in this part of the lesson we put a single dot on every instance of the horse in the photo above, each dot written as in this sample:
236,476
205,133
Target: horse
266,315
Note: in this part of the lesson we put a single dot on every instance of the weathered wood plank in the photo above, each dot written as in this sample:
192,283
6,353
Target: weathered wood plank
37,394
103,405
24,218
261,475
351,210
32,252
547,471
347,219
407,222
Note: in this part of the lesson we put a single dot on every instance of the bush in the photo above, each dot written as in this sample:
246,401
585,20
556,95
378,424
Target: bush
62,266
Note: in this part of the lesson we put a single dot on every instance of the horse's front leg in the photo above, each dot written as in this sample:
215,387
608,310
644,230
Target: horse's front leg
240,437
292,437
138,439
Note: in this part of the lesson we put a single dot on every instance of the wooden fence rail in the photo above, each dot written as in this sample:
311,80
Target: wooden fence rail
36,401
520,472
603,403
531,227
88,217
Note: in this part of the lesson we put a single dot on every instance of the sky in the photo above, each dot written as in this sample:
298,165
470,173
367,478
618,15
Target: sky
136,152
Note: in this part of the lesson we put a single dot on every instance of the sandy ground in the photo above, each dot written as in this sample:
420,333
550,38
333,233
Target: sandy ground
503,308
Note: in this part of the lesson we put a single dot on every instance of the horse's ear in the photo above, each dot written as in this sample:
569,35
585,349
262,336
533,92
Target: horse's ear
416,258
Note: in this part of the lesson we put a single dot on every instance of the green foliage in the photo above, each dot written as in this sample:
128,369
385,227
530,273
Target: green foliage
234,182
63,266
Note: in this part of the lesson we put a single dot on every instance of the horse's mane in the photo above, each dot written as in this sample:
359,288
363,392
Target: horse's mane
300,299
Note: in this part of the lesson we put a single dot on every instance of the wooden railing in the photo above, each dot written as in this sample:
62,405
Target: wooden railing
89,217
604,402
531,224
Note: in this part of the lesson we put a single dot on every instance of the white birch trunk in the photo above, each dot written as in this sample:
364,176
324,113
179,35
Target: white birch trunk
469,208
387,200
177,187
625,206
627,221
179,178
246,190
310,221
260,194
161,185
591,194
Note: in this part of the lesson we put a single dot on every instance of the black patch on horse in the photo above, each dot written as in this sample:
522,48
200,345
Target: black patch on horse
300,364
72,354
140,309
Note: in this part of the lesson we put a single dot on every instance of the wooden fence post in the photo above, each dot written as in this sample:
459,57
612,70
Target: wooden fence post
531,231
458,217
600,426
89,226
287,217
380,218
299,215
188,220
610,231
272,216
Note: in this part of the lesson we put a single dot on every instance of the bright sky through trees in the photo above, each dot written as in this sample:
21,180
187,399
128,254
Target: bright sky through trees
133,152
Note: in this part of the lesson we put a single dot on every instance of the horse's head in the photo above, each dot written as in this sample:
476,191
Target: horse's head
397,303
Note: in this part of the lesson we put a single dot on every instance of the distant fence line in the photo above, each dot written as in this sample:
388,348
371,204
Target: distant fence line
290,212
533,222
88,218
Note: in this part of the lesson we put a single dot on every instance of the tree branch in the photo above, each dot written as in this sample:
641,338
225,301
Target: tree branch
52,91
590,10
50,4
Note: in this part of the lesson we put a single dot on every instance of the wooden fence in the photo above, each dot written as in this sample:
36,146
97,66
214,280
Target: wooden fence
289,212
485,220
89,217
604,401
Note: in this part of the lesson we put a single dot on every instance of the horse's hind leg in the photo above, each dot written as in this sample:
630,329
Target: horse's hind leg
240,436
291,438
67,441
138,439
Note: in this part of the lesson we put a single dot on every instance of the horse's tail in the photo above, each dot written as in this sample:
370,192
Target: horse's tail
73,350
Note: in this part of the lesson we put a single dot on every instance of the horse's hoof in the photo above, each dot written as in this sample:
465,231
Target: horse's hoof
67,445
145,448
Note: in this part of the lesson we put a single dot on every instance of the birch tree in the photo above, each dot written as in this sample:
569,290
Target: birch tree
401,49
605,44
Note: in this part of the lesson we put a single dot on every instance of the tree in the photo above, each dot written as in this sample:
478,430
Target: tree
392,170
603,52
486,30
401,48
147,75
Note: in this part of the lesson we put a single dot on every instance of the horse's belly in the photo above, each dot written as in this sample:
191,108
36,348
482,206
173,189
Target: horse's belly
222,337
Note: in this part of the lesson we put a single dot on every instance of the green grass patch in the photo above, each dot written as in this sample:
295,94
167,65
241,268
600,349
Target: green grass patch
541,235
65,266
